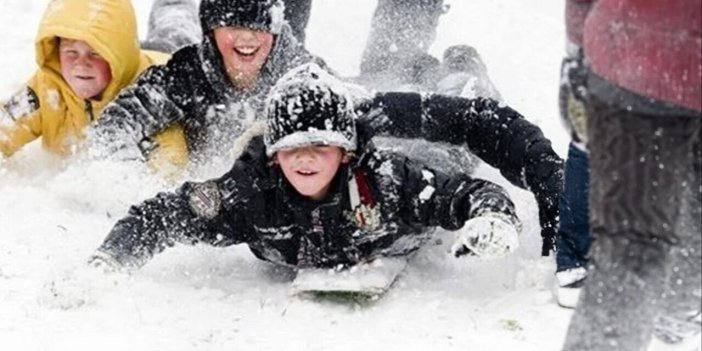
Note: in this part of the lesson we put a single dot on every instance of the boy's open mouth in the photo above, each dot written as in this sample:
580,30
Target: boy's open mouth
246,51
84,77
305,173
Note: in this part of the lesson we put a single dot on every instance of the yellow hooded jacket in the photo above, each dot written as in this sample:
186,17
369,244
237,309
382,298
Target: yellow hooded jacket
47,107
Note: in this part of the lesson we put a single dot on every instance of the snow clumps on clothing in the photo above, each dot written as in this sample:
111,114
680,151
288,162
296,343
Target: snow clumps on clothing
308,106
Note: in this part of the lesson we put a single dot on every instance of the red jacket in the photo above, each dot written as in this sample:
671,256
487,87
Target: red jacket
650,47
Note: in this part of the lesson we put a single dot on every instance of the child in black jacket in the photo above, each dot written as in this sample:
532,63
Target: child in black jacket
213,90
313,192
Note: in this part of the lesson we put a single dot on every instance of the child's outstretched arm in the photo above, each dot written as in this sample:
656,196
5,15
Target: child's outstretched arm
497,134
156,224
20,121
197,212
435,199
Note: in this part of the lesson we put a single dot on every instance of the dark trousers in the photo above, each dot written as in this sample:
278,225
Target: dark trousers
642,156
297,12
573,238
172,25
401,32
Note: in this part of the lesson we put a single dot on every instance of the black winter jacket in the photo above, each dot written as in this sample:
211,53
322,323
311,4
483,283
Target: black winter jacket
254,204
495,133
192,89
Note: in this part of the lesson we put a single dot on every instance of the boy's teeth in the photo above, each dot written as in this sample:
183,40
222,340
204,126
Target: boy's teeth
246,51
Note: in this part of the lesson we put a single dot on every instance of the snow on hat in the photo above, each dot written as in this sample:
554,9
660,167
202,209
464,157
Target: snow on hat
265,15
308,106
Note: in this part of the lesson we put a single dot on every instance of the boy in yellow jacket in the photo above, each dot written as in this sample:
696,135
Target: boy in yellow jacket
87,51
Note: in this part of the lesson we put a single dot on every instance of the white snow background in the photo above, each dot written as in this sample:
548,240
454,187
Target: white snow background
52,217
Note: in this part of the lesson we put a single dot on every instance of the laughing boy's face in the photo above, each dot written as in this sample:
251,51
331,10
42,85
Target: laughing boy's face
85,71
311,169
244,52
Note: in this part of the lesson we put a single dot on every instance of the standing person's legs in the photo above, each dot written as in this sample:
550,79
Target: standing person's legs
574,231
400,30
172,25
297,12
640,151
396,57
573,239
680,323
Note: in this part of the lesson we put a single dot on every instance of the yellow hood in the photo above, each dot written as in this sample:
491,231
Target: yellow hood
108,26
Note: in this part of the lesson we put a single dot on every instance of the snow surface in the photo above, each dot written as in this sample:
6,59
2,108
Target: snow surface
53,216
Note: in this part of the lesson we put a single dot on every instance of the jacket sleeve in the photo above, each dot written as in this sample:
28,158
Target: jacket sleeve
432,198
495,133
575,15
127,125
196,212
20,120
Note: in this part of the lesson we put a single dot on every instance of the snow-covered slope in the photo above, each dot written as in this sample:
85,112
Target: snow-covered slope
52,217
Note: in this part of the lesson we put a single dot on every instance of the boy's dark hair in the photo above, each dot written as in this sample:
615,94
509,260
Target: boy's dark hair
264,15
307,107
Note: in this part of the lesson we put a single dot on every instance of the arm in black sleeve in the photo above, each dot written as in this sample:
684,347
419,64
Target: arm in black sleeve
435,199
197,212
497,134
209,212
139,113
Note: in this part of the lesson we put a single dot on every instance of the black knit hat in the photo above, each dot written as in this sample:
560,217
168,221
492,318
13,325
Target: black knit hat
265,15
308,106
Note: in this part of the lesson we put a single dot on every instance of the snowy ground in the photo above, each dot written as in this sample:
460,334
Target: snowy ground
199,298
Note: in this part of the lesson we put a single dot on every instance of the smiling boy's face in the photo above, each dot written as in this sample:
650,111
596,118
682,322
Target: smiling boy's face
85,71
244,52
311,169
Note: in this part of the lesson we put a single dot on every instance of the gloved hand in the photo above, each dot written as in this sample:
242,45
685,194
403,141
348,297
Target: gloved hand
489,235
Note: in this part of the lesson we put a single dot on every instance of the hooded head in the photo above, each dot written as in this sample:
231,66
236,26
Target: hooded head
309,107
263,15
239,39
108,26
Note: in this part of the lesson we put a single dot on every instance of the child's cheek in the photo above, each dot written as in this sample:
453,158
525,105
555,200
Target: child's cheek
103,72
66,66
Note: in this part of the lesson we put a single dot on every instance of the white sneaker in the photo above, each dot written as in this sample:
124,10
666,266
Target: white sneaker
570,282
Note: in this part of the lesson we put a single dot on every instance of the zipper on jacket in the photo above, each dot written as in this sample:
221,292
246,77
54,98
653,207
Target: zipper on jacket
316,221
89,110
